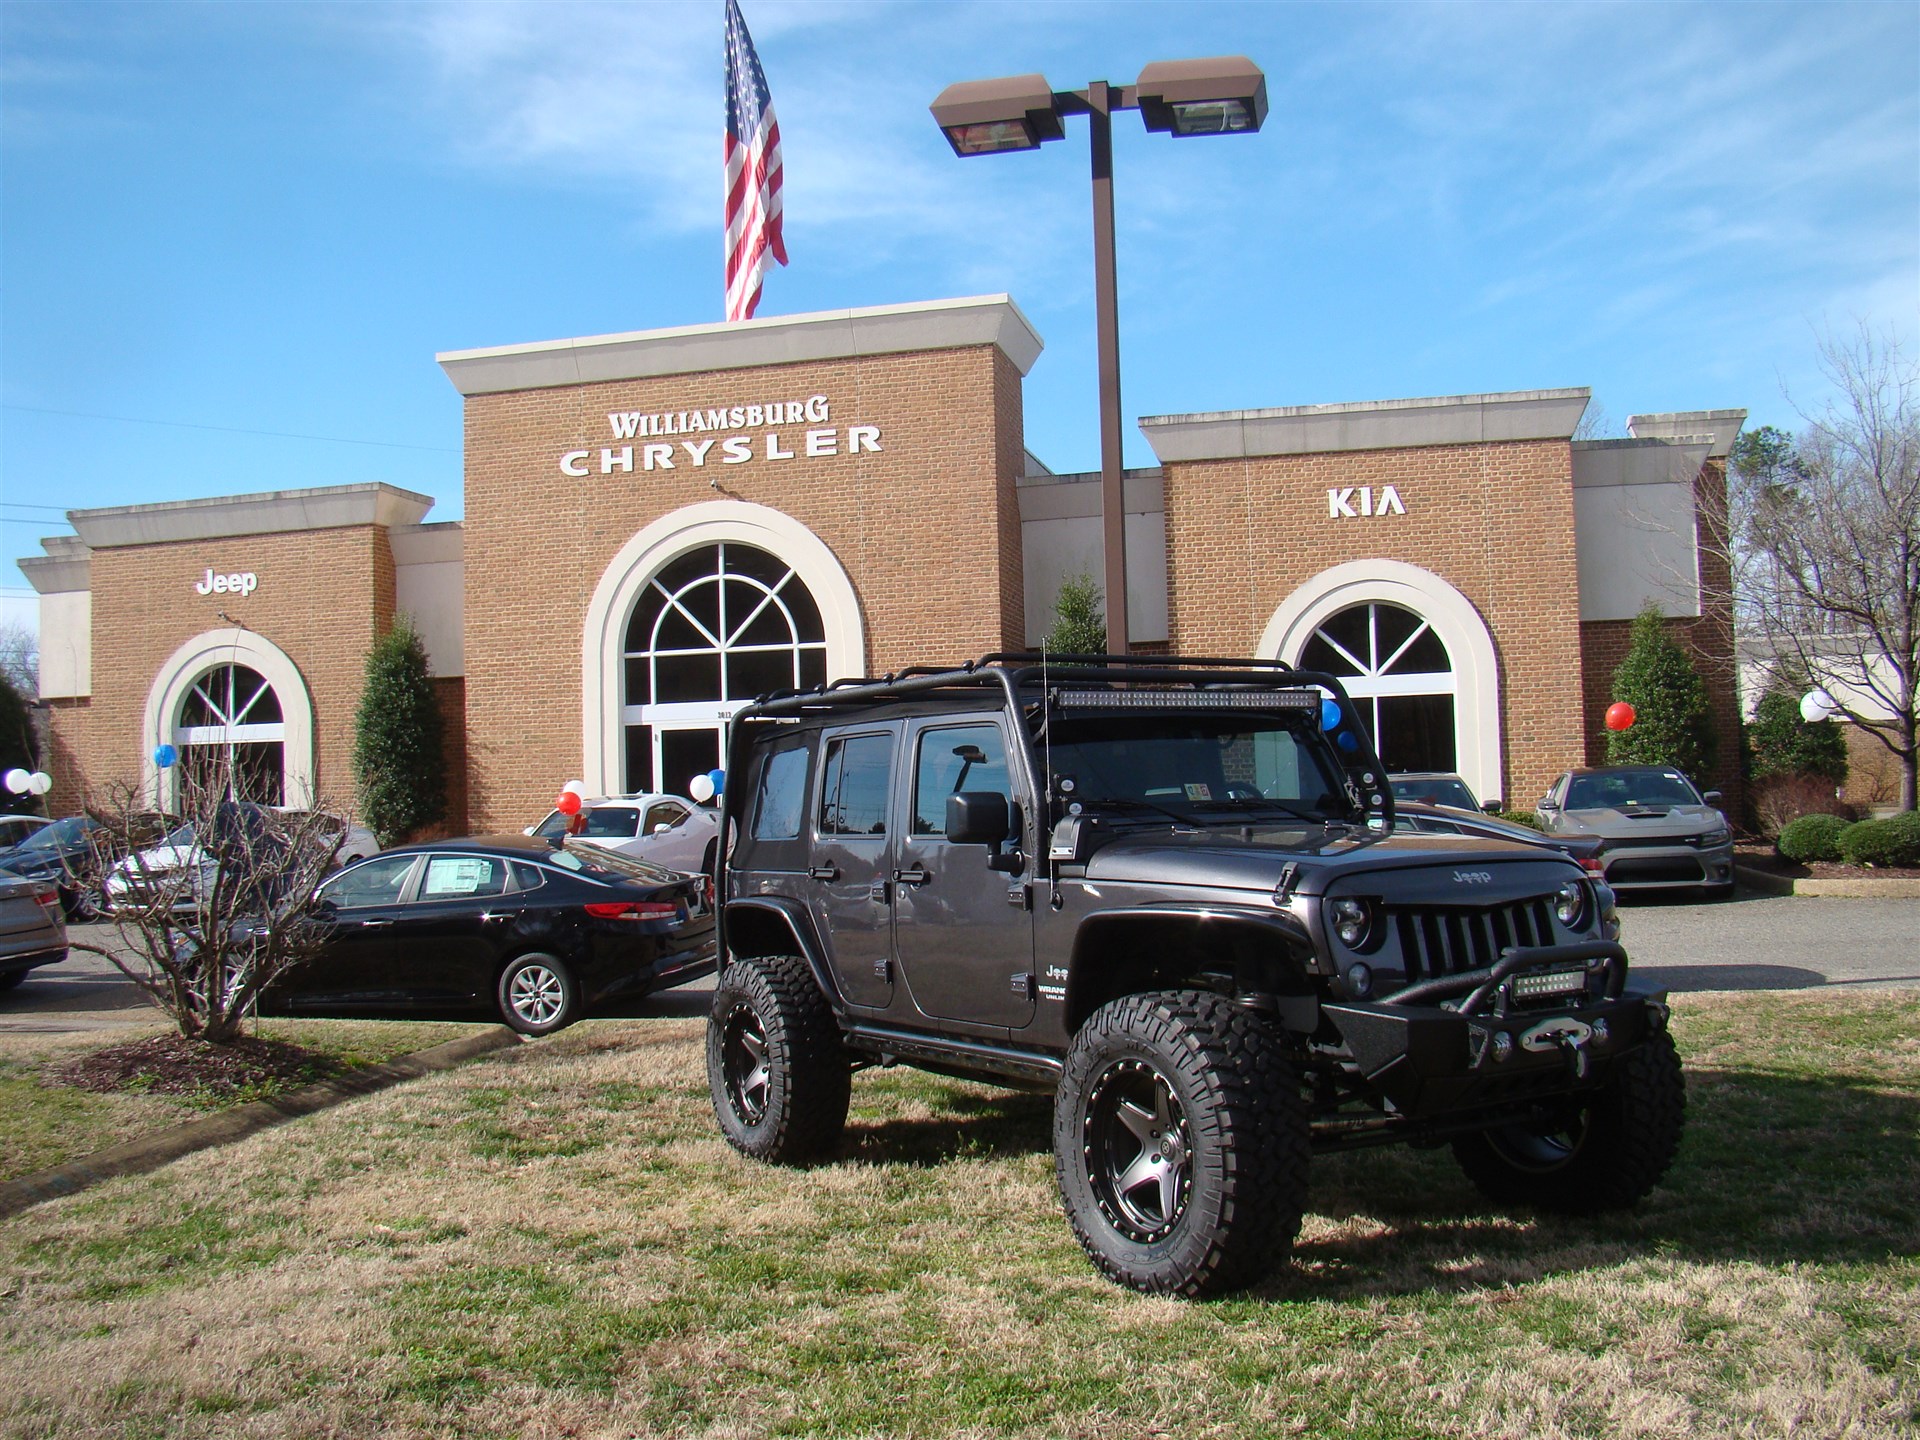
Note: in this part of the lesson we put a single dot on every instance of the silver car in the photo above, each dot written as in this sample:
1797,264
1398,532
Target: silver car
32,929
1656,831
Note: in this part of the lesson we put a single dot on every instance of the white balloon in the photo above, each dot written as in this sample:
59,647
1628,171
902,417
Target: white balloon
18,780
40,782
578,787
1815,706
700,788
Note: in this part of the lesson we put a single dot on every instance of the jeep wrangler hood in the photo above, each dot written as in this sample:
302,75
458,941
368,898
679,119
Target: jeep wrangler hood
1231,860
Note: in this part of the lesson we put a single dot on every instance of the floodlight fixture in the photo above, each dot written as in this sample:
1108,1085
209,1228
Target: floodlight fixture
1226,95
986,117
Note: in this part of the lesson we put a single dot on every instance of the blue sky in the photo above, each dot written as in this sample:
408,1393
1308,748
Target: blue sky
257,223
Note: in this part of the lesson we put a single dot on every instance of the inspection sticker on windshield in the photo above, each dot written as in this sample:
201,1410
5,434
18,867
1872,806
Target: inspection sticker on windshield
1199,792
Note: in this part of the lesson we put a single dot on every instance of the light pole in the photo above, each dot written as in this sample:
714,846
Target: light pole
1222,96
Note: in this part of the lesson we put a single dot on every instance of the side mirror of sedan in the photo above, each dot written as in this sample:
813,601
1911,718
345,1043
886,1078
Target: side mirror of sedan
1712,797
1491,807
662,828
1547,807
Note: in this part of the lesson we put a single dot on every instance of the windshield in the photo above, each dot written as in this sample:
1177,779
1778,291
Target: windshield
1631,787
1435,790
1193,766
58,835
180,839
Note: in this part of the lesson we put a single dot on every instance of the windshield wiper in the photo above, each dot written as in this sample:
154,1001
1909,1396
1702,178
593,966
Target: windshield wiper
1258,802
1119,803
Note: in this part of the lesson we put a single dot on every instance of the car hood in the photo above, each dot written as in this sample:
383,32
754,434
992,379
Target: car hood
162,858
1243,859
1640,821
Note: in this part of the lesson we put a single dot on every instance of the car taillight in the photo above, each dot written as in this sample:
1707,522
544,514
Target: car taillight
1591,864
48,896
633,910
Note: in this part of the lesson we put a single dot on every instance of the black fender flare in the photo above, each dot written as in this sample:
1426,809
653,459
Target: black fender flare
791,918
1279,930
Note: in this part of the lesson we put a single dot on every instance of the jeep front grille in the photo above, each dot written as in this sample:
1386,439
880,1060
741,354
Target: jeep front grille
1441,940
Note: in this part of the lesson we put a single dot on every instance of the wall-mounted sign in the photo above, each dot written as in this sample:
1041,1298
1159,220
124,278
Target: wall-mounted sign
1352,501
243,583
753,438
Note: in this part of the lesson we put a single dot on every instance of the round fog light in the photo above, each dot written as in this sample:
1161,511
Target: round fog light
1359,981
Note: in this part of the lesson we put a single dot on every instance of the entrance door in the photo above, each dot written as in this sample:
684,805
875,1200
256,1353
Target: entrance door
966,952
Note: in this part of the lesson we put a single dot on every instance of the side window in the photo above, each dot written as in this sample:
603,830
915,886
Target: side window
612,822
528,877
378,881
965,757
853,796
783,794
667,813
454,877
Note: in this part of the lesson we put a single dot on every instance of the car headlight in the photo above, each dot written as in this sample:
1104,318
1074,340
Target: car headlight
1716,837
1351,921
1570,904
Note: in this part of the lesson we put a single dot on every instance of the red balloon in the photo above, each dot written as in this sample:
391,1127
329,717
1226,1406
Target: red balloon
568,803
1620,716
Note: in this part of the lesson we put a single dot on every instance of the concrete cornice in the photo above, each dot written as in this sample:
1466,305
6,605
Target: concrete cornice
58,574
777,340
325,507
434,544
1721,426
1366,425
1641,460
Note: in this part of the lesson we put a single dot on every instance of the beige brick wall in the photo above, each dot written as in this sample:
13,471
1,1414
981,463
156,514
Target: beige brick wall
1495,521
927,531
323,595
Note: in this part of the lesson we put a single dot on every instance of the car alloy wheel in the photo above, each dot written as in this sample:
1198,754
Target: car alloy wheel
1139,1149
743,1060
536,994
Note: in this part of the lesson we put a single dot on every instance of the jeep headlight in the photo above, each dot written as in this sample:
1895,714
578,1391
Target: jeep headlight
1351,921
1570,904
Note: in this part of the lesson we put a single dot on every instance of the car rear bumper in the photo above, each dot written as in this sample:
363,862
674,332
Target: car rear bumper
32,960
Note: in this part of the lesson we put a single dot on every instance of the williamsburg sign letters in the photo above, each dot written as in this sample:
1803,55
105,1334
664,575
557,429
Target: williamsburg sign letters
727,435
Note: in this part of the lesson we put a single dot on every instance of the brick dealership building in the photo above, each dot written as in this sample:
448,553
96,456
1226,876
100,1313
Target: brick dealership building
660,525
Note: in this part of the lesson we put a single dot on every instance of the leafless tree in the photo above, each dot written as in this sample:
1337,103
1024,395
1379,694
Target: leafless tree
1826,535
215,908
20,658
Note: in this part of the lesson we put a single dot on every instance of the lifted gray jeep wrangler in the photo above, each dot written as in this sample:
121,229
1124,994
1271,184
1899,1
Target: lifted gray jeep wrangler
1170,892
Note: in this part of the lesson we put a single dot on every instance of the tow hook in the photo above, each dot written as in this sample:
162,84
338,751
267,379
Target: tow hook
1568,1036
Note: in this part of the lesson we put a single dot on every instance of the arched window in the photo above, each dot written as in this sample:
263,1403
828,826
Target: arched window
232,734
718,623
1400,676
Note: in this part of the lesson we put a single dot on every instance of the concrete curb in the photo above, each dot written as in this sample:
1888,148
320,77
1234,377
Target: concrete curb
1893,887
150,1152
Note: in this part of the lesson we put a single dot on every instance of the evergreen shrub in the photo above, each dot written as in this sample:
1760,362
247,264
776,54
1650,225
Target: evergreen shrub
399,755
1892,841
1811,837
1672,722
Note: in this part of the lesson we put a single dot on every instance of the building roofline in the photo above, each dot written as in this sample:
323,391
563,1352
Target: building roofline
743,344
269,512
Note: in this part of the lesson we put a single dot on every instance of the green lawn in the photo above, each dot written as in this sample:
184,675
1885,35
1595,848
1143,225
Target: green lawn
553,1241
44,1123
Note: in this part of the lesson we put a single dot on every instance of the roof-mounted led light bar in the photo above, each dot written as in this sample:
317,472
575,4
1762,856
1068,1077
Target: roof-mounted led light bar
1189,699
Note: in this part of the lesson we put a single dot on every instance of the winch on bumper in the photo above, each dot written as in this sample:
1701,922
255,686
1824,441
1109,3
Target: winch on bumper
1541,1021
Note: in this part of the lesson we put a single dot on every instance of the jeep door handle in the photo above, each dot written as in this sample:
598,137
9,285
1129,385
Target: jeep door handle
823,872
918,875
370,924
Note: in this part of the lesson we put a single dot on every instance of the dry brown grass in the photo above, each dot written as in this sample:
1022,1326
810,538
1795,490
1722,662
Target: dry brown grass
555,1242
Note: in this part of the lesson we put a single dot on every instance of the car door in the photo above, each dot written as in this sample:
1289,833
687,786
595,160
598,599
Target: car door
366,903
678,846
852,889
446,936
962,932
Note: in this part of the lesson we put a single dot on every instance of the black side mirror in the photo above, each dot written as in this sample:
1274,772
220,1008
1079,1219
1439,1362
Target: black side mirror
1547,806
1491,807
1712,797
977,817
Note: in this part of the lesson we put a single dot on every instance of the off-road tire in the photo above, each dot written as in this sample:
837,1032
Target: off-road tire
538,994
1604,1154
779,1076
1241,1146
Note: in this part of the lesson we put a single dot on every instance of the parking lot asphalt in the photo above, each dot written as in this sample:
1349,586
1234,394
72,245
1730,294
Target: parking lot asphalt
1755,942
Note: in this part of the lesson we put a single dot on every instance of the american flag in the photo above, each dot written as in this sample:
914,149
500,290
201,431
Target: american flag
754,176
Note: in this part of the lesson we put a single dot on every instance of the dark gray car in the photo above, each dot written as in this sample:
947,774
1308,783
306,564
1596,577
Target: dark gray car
32,930
1656,831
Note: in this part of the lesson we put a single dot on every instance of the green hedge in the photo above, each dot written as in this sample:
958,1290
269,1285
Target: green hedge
1893,841
1812,837
1521,817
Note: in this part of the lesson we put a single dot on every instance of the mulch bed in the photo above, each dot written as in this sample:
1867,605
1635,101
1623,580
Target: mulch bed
174,1065
1765,858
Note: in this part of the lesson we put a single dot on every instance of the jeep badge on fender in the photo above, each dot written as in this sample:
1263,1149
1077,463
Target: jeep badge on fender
1171,894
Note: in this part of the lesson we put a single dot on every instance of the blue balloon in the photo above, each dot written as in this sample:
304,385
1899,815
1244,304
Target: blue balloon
1329,714
719,779
1347,741
164,756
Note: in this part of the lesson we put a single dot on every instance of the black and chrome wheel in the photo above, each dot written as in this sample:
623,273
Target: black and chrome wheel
780,1078
537,995
1581,1155
1181,1143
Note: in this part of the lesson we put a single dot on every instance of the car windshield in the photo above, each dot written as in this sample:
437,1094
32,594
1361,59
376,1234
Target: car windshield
57,836
1435,790
1193,766
1630,787
180,839
607,865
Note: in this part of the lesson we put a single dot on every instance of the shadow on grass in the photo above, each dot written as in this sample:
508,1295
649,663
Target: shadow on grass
1773,1170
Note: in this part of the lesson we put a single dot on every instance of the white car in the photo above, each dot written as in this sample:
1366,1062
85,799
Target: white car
178,867
661,829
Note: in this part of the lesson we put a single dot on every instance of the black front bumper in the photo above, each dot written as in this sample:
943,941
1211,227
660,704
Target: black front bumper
1479,1041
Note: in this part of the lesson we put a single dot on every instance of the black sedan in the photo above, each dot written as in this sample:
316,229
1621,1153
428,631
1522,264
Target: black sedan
505,922
65,855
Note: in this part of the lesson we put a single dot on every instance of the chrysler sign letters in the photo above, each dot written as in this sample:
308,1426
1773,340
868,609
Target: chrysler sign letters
752,438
